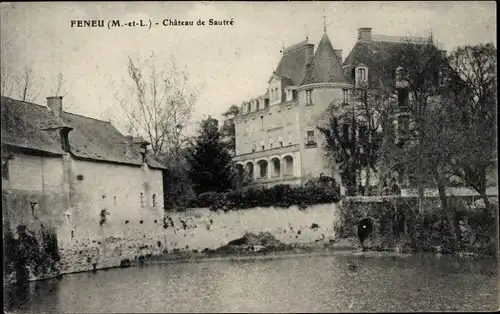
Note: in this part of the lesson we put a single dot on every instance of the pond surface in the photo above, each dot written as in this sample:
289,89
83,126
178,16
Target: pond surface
293,284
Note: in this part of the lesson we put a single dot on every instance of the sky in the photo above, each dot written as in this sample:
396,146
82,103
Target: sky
228,64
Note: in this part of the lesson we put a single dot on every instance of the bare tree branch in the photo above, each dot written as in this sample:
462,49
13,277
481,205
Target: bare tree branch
157,103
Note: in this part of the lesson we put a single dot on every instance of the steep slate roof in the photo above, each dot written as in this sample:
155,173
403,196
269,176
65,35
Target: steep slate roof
100,140
376,55
293,62
23,125
325,66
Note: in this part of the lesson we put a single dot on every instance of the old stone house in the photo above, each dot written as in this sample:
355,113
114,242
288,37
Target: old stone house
74,173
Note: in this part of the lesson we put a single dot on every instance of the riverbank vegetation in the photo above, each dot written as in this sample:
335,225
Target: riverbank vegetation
30,255
399,225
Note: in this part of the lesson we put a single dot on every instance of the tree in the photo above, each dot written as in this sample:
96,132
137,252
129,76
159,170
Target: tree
60,87
356,151
26,86
158,102
474,107
416,85
228,130
210,164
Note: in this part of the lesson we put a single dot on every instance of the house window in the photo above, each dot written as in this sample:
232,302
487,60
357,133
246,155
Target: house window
154,200
64,140
361,75
142,199
401,78
263,147
345,131
249,107
261,122
345,93
310,138
403,99
5,168
33,206
309,97
281,143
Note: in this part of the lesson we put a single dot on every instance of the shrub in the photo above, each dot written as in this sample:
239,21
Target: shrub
278,195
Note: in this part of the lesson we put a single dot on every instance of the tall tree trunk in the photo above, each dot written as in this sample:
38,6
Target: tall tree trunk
421,196
367,182
453,218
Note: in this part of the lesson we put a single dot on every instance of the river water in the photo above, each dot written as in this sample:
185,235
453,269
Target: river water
293,284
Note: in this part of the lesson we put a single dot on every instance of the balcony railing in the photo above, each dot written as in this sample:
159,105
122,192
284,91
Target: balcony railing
267,152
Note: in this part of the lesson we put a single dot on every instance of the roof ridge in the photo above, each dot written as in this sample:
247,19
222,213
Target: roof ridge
25,102
87,117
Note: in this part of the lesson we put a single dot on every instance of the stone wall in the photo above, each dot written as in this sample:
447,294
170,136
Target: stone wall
195,229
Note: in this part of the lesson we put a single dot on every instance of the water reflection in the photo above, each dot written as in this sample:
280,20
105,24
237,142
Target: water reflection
302,284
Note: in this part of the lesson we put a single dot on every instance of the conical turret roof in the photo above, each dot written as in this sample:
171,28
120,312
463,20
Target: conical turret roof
325,66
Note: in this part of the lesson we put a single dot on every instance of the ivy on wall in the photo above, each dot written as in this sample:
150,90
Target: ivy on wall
26,256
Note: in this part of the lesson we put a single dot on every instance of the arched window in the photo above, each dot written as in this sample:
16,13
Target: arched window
154,200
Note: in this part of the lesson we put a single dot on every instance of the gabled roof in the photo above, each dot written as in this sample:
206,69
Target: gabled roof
293,62
376,54
100,140
24,125
325,66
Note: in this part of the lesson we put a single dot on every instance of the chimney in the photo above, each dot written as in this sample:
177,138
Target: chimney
365,33
309,52
338,52
55,105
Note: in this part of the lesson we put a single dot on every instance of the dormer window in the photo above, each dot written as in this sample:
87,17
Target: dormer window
400,78
249,107
403,97
361,75
309,97
64,134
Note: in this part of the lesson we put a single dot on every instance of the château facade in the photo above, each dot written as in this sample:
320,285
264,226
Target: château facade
277,140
